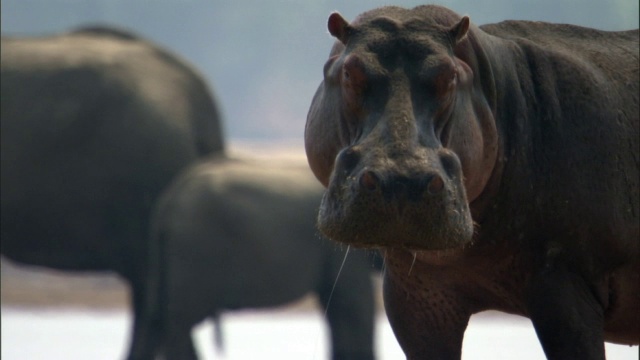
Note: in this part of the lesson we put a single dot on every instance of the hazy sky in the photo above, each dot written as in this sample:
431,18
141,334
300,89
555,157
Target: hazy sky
264,58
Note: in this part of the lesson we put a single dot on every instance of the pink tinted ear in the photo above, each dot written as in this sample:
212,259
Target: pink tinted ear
338,27
459,31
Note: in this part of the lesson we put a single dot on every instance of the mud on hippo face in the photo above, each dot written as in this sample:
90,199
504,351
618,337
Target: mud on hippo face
400,132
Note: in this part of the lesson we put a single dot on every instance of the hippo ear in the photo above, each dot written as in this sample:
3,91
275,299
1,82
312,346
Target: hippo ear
339,27
459,30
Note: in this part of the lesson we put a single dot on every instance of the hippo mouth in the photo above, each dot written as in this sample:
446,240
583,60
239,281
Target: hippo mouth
428,217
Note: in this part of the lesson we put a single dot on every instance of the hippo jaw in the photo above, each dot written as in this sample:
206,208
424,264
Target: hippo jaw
419,205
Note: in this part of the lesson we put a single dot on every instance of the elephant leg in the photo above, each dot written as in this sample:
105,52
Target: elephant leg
566,314
349,306
179,344
142,345
428,317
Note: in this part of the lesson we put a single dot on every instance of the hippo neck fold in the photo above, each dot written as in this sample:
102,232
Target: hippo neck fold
503,82
485,65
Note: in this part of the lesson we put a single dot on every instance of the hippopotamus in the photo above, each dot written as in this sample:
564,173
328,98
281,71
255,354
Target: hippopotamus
239,233
95,123
495,166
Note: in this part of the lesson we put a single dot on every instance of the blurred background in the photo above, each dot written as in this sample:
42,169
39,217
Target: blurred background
263,60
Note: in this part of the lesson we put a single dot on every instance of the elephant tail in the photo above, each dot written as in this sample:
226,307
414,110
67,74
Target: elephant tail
217,333
156,289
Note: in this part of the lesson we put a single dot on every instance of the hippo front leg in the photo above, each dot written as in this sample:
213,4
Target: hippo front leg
566,314
427,318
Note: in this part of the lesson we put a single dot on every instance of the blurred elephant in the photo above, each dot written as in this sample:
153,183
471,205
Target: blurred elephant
94,124
240,233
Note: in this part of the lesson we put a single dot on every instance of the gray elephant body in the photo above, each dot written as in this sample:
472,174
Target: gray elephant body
95,123
238,234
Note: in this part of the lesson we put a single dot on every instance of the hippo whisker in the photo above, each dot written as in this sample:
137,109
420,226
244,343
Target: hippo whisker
326,309
415,254
344,260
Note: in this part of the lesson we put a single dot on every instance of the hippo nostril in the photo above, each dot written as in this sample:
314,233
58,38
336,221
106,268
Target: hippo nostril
436,184
450,163
349,158
369,180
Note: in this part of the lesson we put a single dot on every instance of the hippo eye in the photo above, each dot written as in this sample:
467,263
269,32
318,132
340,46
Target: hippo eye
445,94
354,78
446,87
354,85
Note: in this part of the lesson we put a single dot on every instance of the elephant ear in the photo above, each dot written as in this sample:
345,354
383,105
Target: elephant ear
459,31
339,27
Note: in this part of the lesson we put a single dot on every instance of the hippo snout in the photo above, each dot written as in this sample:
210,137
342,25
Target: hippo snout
376,201
401,187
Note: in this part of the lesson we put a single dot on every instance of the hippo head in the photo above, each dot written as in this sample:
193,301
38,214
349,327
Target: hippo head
400,131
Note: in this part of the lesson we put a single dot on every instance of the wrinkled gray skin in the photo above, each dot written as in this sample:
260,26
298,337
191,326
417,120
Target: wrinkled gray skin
236,234
95,123
497,166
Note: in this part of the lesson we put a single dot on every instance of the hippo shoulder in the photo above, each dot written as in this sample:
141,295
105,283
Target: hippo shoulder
560,34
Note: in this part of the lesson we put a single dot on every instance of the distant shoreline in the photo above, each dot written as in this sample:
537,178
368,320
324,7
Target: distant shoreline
25,287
